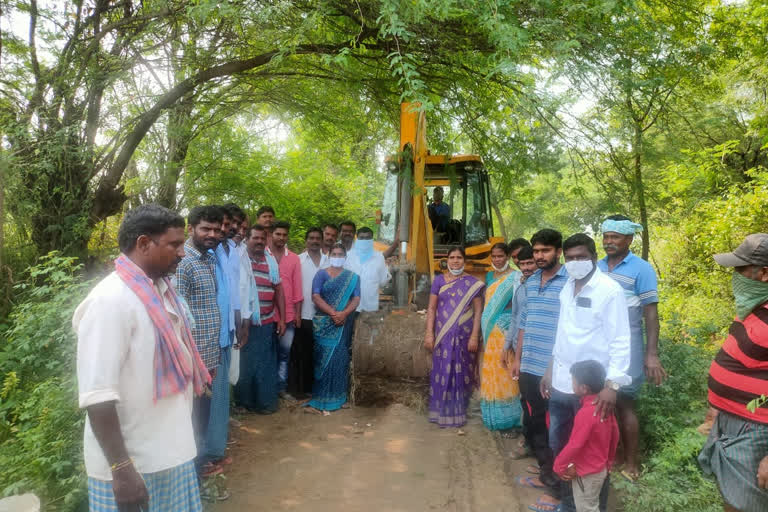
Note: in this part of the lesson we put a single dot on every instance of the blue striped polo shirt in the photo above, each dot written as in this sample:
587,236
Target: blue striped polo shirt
638,280
539,321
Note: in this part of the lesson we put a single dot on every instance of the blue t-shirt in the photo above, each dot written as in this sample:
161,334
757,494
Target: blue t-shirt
638,280
539,321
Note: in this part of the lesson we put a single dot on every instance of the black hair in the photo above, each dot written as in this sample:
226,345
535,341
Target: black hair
208,213
548,237
526,253
284,224
329,225
348,223
147,219
502,246
364,230
590,373
256,227
580,239
618,217
518,243
265,209
338,245
234,211
313,230
455,248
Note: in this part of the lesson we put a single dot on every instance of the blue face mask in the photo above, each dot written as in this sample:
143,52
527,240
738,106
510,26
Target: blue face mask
364,249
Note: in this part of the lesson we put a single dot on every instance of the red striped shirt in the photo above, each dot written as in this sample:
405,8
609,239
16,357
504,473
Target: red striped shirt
266,290
739,373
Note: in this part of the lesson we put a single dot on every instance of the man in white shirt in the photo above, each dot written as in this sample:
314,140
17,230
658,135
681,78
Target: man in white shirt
301,373
137,370
371,266
593,325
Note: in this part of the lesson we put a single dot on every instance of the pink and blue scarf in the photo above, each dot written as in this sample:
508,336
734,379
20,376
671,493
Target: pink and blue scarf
172,369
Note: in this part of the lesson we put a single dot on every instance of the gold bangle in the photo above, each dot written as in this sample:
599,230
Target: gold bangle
120,465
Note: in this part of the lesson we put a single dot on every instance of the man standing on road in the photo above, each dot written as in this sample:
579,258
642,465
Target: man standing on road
538,325
736,452
265,216
527,266
369,264
196,283
228,299
330,237
638,279
301,373
348,229
137,370
593,325
256,389
290,278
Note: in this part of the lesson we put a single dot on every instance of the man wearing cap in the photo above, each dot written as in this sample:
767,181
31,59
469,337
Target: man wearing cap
638,279
736,451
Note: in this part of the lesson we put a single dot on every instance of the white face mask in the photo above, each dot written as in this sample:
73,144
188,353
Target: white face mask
457,271
500,269
337,262
579,269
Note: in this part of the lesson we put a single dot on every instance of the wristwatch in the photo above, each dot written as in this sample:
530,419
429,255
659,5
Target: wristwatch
612,385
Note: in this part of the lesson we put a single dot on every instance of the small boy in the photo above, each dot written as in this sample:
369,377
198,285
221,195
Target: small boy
591,449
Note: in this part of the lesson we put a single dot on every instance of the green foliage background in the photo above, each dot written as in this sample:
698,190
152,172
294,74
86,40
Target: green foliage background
579,108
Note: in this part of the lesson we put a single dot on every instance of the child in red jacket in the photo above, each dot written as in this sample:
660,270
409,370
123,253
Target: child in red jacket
591,449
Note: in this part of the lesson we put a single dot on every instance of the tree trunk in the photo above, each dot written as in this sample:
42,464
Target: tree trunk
637,160
179,135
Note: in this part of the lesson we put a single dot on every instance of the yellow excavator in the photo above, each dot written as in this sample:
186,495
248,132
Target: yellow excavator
416,180
388,343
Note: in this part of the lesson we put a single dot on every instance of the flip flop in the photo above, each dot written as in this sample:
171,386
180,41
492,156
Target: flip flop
533,469
528,481
629,477
543,506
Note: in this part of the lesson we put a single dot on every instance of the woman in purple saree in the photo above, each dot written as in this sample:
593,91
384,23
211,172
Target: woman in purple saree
453,336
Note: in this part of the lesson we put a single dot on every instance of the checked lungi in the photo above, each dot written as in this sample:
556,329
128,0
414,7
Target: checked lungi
732,454
171,490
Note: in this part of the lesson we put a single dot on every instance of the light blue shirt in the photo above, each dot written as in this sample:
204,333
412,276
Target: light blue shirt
539,320
230,263
638,280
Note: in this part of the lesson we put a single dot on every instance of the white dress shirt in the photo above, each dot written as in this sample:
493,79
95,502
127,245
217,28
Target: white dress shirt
308,271
245,280
373,274
115,362
594,324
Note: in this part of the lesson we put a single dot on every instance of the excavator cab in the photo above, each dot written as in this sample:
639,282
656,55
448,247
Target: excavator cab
457,198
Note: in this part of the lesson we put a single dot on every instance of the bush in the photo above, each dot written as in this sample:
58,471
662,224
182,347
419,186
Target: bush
40,424
669,414
673,480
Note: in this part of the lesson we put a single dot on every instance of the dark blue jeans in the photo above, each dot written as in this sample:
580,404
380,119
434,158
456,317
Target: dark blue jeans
562,411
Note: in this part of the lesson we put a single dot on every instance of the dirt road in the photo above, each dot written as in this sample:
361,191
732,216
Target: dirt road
367,459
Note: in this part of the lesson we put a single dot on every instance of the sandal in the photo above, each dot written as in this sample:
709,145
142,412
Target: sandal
545,506
528,481
533,469
210,469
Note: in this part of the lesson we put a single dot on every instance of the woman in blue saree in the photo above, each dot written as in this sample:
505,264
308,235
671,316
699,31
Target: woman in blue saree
336,294
453,336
